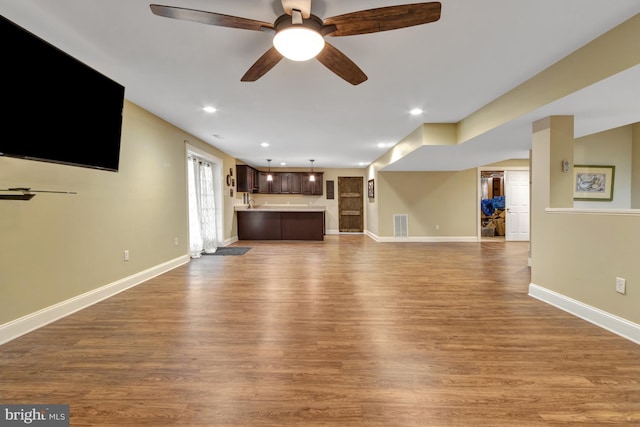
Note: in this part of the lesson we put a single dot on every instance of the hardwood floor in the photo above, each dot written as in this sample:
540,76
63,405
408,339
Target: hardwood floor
345,332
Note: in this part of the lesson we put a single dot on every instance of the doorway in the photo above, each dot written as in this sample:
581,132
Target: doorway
504,204
517,205
205,203
492,205
350,204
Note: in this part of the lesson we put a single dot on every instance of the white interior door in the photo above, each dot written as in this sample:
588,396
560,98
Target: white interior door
517,205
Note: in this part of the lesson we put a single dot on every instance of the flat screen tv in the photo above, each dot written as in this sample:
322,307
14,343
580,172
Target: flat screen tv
56,108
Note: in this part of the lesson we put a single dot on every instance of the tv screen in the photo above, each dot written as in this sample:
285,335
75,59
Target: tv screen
56,109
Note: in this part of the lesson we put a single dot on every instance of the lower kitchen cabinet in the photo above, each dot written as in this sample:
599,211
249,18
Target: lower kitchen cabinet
259,225
280,225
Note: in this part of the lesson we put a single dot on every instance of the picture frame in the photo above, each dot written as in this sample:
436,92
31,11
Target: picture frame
371,189
593,183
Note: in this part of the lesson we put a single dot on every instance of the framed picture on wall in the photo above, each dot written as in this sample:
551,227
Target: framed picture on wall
593,183
371,189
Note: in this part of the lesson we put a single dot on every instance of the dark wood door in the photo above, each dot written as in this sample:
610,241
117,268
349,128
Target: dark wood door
350,208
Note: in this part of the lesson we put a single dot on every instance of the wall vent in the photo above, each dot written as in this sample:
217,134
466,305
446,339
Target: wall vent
400,225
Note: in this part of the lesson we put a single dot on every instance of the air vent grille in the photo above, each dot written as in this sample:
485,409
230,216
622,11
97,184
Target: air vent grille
400,225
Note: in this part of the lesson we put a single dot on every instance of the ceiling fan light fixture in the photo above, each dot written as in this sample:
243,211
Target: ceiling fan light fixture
298,43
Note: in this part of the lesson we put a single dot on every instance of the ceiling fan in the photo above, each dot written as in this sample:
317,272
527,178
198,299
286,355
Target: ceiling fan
299,35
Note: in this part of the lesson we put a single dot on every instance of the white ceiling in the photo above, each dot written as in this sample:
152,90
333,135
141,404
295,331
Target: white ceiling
476,52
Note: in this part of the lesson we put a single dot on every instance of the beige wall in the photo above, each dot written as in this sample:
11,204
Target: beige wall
612,147
577,254
439,205
430,199
56,246
635,166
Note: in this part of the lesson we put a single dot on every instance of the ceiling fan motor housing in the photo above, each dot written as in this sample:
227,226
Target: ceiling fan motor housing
313,23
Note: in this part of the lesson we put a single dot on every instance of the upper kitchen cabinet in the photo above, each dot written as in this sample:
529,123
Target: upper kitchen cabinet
313,188
269,187
248,180
291,182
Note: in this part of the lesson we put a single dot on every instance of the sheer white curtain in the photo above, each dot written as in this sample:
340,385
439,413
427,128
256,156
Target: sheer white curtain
202,208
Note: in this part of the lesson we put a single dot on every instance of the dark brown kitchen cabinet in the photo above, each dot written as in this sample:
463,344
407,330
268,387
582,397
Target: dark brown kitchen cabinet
269,187
254,224
247,179
291,182
259,225
251,180
313,188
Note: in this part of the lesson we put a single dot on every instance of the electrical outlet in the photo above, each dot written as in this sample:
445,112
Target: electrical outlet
621,285
175,241
437,226
126,255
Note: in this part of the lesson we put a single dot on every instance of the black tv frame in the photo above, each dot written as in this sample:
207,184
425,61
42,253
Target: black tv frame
57,109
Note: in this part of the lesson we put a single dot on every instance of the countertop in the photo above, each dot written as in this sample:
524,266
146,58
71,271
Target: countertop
281,208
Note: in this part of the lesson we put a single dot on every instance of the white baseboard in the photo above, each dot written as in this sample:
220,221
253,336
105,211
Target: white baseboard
610,322
425,239
332,232
40,318
230,240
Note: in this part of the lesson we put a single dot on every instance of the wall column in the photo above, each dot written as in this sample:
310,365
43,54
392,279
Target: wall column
635,166
552,143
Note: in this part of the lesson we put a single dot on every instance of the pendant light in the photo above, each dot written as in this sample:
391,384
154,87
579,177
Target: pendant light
269,176
312,177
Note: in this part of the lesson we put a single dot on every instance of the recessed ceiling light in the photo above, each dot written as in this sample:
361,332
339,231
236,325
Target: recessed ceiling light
283,163
264,144
209,109
362,163
416,111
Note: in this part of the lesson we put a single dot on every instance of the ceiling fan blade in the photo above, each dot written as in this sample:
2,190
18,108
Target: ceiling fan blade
338,62
384,18
303,6
262,65
210,18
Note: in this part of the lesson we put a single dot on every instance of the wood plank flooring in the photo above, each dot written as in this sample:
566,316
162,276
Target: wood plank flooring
345,332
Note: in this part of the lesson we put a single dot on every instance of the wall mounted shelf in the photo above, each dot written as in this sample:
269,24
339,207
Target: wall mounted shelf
25,193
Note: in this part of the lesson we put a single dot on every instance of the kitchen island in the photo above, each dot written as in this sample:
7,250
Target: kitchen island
281,222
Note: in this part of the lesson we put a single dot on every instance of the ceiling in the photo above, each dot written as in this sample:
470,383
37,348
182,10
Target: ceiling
476,52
